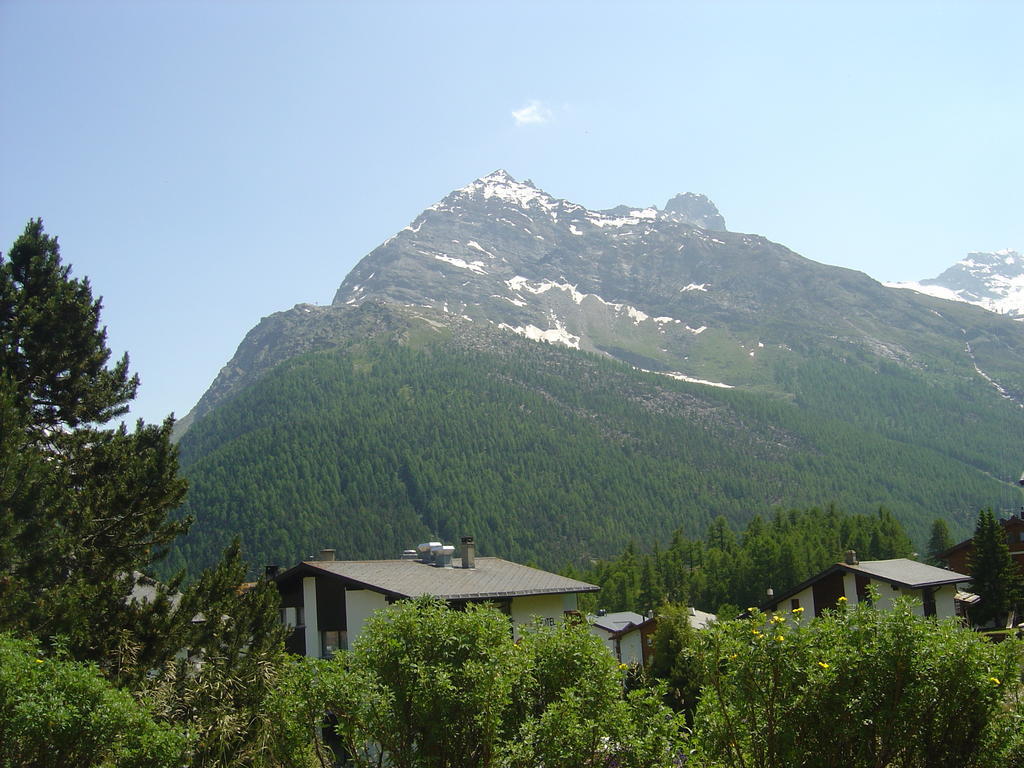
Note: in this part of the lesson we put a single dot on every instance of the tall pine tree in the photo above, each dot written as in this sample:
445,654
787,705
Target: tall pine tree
83,507
993,572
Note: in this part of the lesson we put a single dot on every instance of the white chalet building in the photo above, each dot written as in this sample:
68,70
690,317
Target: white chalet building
935,589
328,601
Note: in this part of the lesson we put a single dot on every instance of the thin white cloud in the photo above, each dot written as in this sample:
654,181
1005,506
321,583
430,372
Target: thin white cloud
534,113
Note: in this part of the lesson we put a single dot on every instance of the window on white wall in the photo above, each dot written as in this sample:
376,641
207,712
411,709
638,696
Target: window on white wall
333,641
928,596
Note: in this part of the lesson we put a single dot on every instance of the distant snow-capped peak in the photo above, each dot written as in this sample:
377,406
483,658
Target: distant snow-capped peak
692,209
502,185
994,281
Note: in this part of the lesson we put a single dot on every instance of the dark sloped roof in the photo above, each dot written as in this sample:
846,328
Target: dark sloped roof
899,571
491,578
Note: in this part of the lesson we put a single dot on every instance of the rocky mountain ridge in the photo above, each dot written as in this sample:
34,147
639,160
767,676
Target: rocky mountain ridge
668,291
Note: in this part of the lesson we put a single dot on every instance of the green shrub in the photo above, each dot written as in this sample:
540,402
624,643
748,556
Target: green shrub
432,687
855,687
62,713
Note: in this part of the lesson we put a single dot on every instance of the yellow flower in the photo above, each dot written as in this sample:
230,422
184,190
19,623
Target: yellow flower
39,661
779,639
732,655
623,666
994,680
756,633
823,665
798,610
778,619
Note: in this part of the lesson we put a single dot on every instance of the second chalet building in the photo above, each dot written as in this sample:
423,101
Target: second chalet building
328,601
935,589
958,556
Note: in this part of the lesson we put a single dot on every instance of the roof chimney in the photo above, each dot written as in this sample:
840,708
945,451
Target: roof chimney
468,552
326,554
850,558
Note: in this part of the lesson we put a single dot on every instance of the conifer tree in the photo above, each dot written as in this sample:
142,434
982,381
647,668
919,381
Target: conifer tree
993,572
939,540
652,588
82,507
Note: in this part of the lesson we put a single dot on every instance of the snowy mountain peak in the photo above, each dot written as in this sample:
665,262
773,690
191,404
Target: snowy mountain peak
994,281
981,262
500,176
502,185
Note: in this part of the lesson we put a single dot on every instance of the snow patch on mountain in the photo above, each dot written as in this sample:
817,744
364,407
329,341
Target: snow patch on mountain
476,267
683,377
520,283
1006,395
517,301
476,246
599,219
556,335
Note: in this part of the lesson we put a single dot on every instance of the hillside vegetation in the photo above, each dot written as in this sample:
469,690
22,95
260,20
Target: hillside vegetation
555,456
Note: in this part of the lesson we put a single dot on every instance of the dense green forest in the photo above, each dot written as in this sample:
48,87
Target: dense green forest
559,457
725,572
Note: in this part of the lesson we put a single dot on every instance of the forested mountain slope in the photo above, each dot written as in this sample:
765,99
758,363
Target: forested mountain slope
419,405
557,456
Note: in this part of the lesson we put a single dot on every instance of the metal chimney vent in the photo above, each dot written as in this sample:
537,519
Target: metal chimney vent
443,557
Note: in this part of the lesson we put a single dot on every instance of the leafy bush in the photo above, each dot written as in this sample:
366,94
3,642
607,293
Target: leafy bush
429,686
855,687
63,713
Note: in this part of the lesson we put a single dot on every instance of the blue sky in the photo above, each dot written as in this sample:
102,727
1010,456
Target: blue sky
210,163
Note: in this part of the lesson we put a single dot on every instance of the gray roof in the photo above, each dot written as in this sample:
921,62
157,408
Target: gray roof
622,620
613,622
900,571
908,573
700,619
491,578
